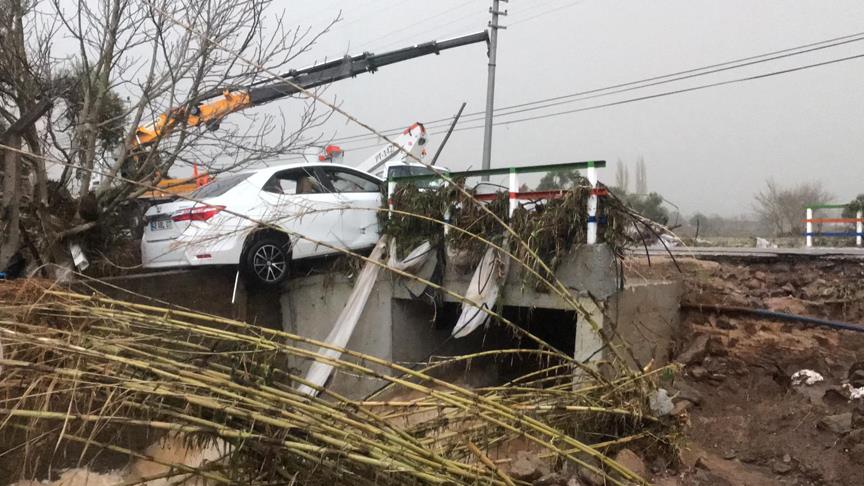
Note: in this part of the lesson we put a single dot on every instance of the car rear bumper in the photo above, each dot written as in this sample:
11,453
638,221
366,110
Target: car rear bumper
186,252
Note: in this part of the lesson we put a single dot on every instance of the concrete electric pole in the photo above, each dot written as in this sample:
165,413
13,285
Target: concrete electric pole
490,88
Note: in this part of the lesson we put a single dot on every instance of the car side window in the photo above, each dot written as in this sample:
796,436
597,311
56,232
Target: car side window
345,181
294,181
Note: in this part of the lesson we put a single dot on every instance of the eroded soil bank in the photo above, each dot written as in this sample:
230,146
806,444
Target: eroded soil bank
746,423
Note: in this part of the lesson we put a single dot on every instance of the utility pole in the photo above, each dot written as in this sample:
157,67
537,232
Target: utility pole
490,88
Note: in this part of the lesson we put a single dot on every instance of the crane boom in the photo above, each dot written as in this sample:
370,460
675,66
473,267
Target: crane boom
215,105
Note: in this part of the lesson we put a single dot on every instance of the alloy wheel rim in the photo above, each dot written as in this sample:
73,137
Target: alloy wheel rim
269,263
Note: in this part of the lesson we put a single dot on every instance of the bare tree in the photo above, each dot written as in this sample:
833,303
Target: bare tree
641,177
783,207
123,64
622,176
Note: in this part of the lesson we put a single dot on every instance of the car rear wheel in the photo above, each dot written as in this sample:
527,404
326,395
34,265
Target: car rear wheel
268,261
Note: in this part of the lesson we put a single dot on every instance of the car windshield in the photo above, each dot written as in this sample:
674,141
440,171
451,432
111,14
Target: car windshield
220,185
415,170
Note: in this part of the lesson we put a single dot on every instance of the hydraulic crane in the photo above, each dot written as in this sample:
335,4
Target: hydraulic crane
213,106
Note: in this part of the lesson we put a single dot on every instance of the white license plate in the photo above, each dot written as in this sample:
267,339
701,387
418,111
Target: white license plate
161,225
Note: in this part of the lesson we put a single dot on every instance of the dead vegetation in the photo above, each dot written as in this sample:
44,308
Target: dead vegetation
89,381
543,231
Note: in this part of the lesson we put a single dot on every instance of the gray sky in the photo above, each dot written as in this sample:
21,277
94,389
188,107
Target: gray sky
709,150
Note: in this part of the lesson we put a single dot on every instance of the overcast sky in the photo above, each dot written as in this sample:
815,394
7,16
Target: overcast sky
708,150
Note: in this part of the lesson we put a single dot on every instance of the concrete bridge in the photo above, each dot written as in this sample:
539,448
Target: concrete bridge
397,325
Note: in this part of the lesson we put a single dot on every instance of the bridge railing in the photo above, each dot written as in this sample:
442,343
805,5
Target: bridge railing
811,223
518,182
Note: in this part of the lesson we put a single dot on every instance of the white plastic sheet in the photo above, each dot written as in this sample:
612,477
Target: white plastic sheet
413,260
484,289
347,321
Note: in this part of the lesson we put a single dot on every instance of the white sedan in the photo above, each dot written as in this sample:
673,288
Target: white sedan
288,212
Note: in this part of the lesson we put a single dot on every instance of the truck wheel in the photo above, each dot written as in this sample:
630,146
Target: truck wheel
267,261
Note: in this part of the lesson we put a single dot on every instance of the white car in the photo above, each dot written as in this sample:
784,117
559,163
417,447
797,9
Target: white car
264,219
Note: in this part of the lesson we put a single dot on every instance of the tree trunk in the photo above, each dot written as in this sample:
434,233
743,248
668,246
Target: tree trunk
10,238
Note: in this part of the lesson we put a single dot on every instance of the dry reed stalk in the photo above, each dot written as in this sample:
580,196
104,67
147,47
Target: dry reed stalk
100,368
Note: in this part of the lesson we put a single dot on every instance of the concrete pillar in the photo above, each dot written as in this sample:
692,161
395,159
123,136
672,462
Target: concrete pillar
809,231
588,341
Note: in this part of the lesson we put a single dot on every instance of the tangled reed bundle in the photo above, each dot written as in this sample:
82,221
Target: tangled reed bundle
88,380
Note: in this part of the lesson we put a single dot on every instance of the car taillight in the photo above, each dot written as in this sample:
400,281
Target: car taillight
200,213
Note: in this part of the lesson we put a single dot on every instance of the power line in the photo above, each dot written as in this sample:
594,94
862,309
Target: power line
536,6
648,97
423,21
640,82
669,93
714,68
562,7
459,20
656,83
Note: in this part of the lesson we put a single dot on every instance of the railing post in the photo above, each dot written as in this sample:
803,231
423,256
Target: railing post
591,235
391,188
514,191
809,231
859,228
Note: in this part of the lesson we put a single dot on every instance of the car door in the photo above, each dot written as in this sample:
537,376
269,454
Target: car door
301,203
361,195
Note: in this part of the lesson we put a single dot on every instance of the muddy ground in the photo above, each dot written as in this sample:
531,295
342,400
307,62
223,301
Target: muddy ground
745,421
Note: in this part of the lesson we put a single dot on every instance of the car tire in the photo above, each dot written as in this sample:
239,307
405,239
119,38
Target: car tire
267,261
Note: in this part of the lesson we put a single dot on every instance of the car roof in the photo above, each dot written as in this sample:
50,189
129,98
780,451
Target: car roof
268,171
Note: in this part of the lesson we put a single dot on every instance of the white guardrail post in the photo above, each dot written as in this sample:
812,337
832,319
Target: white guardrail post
514,191
591,235
808,235
859,227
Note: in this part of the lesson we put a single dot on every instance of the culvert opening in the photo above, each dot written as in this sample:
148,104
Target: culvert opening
555,327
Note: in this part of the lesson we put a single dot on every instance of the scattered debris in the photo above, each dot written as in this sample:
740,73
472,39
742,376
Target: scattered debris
78,257
171,452
780,467
527,467
631,461
854,393
856,374
838,424
763,243
660,403
681,407
696,352
786,304
806,377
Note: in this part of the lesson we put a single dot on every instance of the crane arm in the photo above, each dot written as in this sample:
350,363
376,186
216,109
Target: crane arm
406,146
215,106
